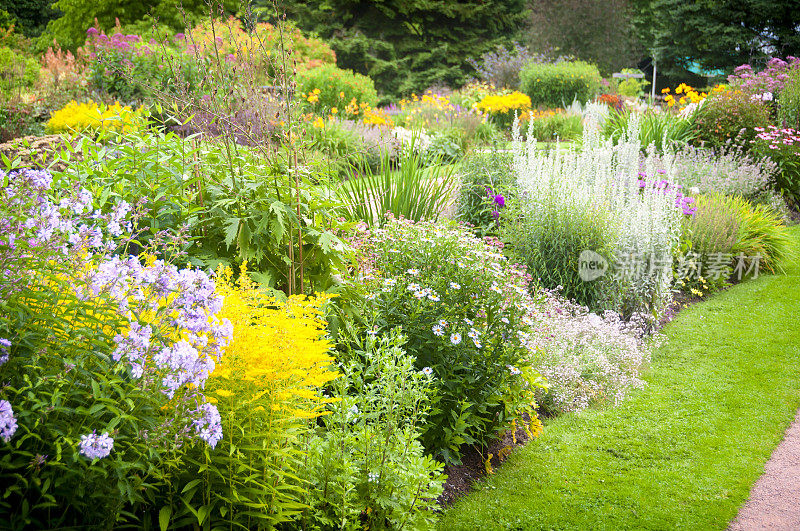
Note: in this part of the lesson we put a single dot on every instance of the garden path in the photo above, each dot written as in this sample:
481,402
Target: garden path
774,502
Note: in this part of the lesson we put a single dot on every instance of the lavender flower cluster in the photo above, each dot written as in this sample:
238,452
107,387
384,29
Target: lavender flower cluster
8,423
664,186
37,226
174,337
729,171
96,446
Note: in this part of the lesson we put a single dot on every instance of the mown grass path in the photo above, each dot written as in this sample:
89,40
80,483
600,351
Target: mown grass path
682,453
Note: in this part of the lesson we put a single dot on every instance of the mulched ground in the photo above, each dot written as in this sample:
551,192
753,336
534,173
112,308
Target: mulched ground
460,478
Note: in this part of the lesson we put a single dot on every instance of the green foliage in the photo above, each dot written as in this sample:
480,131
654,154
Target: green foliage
410,189
366,467
632,87
69,30
409,46
704,261
18,119
482,176
461,305
350,145
234,205
559,84
29,16
729,116
659,129
337,88
550,247
17,72
714,36
135,72
555,126
789,101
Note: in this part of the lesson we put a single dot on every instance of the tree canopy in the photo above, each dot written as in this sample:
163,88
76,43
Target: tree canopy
714,35
410,45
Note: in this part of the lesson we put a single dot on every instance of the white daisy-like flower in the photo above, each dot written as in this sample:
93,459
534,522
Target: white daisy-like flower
473,334
477,343
455,338
420,294
468,321
414,287
442,323
414,272
513,369
427,371
434,296
438,330
455,285
504,320
389,282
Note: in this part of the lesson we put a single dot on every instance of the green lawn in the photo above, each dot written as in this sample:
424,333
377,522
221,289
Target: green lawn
681,453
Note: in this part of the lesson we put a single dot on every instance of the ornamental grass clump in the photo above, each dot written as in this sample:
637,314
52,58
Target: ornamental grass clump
107,357
596,204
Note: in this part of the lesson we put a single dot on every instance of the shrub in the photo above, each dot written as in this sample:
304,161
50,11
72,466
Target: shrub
782,146
461,306
366,467
770,81
730,171
632,87
547,127
587,359
558,84
504,108
789,101
77,118
17,72
596,198
127,69
327,87
729,116
705,260
105,358
502,67
266,387
660,129
486,182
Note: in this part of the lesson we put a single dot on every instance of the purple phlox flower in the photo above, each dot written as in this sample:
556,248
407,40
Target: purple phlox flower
499,200
208,424
8,423
5,345
96,447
